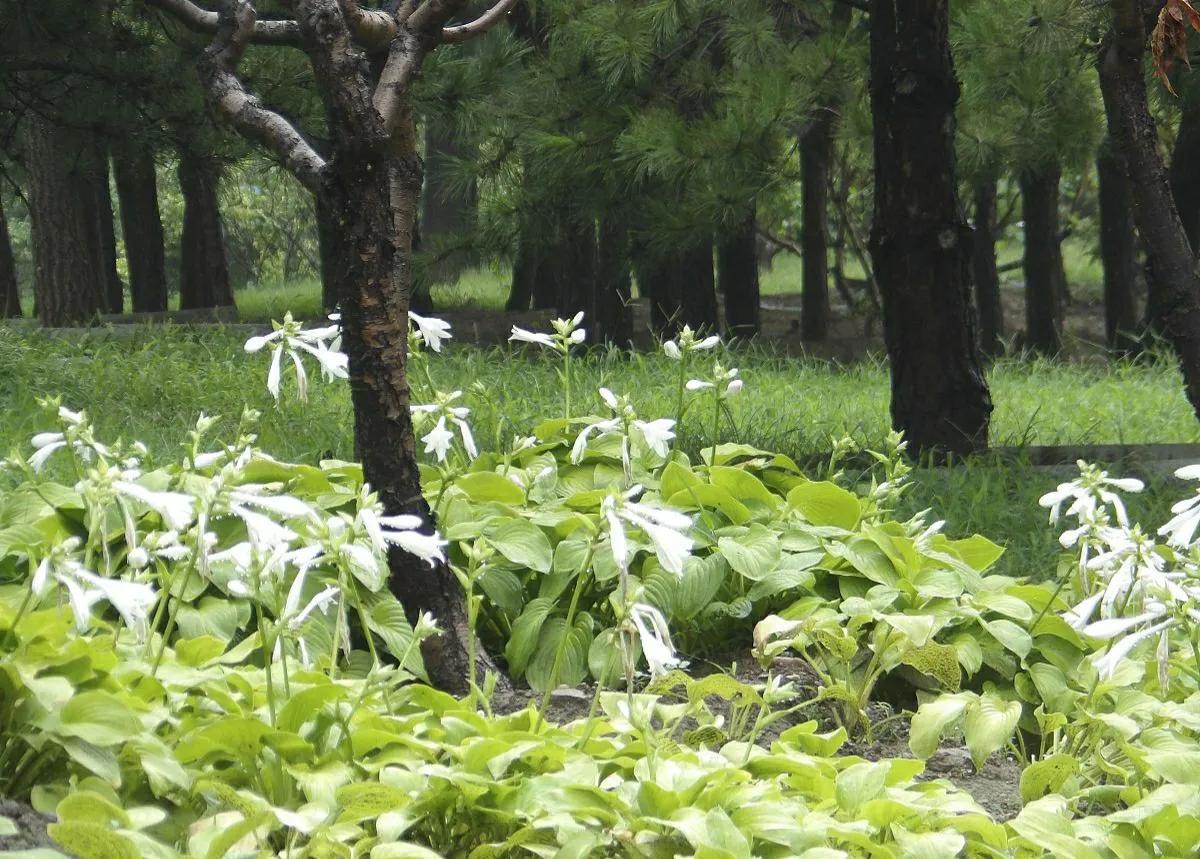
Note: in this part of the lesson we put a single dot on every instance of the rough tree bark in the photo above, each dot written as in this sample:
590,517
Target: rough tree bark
1118,251
141,227
371,183
1043,264
203,266
10,296
984,268
737,277
920,240
68,264
1185,168
1175,281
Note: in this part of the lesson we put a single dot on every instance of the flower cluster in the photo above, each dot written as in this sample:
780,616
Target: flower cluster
290,337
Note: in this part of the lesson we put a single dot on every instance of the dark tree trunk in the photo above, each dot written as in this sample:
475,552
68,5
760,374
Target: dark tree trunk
983,264
448,212
921,241
816,153
373,255
10,296
327,231
612,314
681,288
1185,170
737,276
1044,276
68,284
524,275
575,271
1174,280
141,227
114,290
1118,251
203,267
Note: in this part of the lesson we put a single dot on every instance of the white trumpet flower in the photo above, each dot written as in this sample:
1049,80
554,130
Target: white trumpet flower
433,332
654,637
666,529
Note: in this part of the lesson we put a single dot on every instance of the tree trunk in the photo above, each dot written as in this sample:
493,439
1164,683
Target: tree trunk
575,270
448,212
203,267
10,296
68,284
1044,276
373,255
1175,282
920,240
141,227
983,264
681,288
1118,251
524,275
114,289
1185,169
737,275
816,153
612,314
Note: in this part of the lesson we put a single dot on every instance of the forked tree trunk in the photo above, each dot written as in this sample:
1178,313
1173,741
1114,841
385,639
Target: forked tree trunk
1044,276
983,266
1174,275
612,314
737,276
921,241
141,227
68,281
1185,169
10,296
203,266
816,154
1118,252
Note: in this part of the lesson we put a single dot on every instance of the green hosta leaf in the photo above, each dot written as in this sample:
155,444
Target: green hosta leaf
604,656
781,581
505,591
742,485
573,666
709,497
490,486
85,806
917,628
1010,635
867,559
386,618
702,579
676,478
93,758
399,850
368,800
100,718
216,616
1047,776
989,724
92,841
826,503
970,654
859,784
938,661
932,720
526,631
524,544
754,554
977,551
928,845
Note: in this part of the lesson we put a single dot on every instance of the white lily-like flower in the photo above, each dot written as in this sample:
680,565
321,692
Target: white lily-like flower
1092,488
567,333
439,440
291,338
399,530
132,600
654,637
666,529
177,509
1108,662
521,335
725,381
433,332
657,434
687,342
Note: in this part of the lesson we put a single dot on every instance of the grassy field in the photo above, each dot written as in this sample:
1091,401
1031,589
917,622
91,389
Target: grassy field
152,385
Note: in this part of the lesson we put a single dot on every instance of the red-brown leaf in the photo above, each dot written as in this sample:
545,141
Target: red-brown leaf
1169,41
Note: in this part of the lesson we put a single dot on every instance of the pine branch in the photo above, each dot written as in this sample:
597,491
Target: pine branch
201,20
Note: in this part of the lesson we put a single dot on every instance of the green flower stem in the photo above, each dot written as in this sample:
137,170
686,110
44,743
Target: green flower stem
567,380
172,614
556,666
266,657
716,427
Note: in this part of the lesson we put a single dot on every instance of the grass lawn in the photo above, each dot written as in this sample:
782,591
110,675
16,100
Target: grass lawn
152,385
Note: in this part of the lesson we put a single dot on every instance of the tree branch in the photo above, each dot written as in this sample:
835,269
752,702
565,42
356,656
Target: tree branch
201,20
373,29
485,22
217,68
